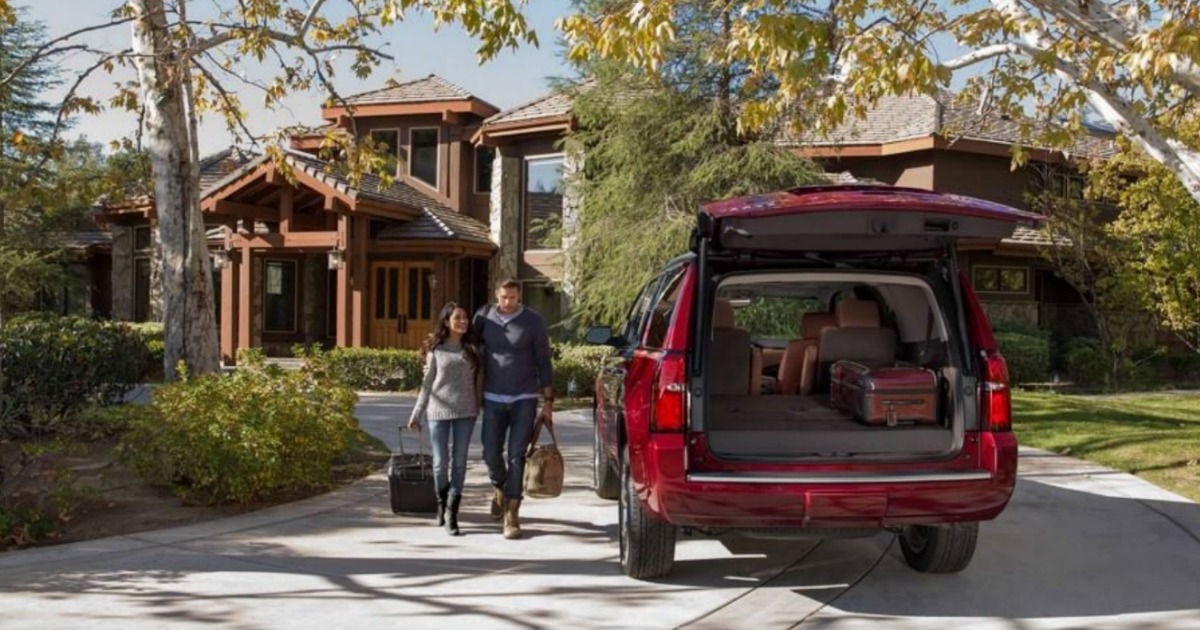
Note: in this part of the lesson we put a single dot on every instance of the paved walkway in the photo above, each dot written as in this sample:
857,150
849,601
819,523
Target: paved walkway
1080,547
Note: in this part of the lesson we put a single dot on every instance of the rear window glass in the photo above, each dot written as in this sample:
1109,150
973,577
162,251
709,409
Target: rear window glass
773,317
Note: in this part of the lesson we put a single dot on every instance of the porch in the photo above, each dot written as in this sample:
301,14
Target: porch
307,257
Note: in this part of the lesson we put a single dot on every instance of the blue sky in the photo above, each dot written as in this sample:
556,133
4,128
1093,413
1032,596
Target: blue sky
509,80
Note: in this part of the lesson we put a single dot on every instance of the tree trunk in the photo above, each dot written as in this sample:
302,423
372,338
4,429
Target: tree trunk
186,273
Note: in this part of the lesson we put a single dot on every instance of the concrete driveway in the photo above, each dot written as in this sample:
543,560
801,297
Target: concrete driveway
1080,547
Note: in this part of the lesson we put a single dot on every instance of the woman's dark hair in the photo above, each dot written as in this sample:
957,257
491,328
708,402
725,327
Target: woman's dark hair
472,348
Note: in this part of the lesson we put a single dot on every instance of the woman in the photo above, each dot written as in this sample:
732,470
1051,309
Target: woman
449,401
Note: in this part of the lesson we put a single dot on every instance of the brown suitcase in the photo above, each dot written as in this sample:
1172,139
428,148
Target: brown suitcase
884,395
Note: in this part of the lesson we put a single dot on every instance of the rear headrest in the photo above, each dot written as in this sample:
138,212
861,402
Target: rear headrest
811,324
722,314
857,314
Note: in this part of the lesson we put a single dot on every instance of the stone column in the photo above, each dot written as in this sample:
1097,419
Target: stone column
155,313
504,218
572,205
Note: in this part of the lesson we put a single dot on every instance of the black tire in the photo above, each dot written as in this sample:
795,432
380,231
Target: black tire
605,480
647,544
939,548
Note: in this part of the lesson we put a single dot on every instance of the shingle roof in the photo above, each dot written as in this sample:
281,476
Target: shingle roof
1032,236
370,185
897,118
84,239
438,223
217,166
556,104
430,89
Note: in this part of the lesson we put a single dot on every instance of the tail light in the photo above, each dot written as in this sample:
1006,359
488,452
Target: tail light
995,397
669,414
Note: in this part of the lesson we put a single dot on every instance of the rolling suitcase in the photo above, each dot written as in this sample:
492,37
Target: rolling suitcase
884,395
410,479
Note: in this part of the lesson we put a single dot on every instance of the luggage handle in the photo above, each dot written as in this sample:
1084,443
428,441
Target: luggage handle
420,447
537,432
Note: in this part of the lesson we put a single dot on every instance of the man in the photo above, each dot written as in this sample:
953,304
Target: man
516,352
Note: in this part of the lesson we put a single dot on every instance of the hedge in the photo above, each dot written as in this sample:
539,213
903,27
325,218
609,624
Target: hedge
52,367
1027,354
373,369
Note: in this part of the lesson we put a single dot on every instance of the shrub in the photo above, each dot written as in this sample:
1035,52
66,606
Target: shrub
368,369
1086,365
259,433
1027,354
153,338
578,364
54,366
38,495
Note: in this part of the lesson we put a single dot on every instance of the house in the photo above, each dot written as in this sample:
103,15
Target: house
304,255
937,143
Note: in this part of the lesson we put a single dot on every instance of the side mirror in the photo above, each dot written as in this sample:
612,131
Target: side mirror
600,336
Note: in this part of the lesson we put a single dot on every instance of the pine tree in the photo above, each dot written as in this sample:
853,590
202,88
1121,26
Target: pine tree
655,148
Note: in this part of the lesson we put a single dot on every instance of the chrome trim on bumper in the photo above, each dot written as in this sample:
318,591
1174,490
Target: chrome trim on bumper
836,478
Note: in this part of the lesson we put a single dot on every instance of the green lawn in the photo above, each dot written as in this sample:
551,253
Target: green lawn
1154,436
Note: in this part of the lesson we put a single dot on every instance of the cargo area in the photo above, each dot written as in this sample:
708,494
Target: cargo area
829,364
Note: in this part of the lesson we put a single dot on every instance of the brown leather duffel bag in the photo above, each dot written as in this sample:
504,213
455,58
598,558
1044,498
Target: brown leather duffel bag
544,467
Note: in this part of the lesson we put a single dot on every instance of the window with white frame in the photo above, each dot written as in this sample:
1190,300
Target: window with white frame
423,155
543,202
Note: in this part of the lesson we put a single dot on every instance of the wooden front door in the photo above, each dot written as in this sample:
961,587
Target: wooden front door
402,310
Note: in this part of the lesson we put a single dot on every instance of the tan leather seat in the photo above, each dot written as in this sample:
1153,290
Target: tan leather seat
857,337
792,367
730,358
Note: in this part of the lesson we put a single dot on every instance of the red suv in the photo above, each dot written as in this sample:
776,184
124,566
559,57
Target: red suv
715,413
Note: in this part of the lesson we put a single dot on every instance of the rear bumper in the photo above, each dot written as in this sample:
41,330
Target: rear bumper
826,498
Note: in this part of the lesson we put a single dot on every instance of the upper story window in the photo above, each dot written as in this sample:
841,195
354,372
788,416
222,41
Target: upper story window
423,155
484,156
543,204
387,141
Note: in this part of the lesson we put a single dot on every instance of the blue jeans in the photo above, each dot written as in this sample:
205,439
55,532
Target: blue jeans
510,423
450,468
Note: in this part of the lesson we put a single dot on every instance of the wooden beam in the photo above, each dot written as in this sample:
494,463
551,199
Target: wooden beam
245,288
358,288
240,210
230,313
468,106
290,240
343,285
286,208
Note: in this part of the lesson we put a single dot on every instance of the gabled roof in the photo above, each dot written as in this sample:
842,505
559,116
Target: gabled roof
556,104
428,95
896,119
438,223
215,167
430,89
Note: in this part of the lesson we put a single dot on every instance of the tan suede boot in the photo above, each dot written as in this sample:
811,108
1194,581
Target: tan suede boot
497,504
512,521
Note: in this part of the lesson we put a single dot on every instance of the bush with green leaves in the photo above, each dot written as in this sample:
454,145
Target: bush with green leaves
1027,352
1086,365
259,433
52,367
366,369
576,367
153,337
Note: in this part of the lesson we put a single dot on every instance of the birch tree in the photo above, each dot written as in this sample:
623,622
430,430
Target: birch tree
1133,63
189,58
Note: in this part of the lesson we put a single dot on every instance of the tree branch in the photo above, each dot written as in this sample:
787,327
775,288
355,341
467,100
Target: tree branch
52,47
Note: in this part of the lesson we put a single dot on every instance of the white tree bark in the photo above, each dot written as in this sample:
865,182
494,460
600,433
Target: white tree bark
189,321
1182,160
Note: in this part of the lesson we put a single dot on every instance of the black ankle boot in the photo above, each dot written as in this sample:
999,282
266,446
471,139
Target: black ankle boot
452,515
441,505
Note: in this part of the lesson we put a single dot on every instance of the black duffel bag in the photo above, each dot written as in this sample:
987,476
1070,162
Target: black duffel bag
410,479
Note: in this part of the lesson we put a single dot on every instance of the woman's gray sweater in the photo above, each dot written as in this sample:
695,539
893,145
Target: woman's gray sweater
448,389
